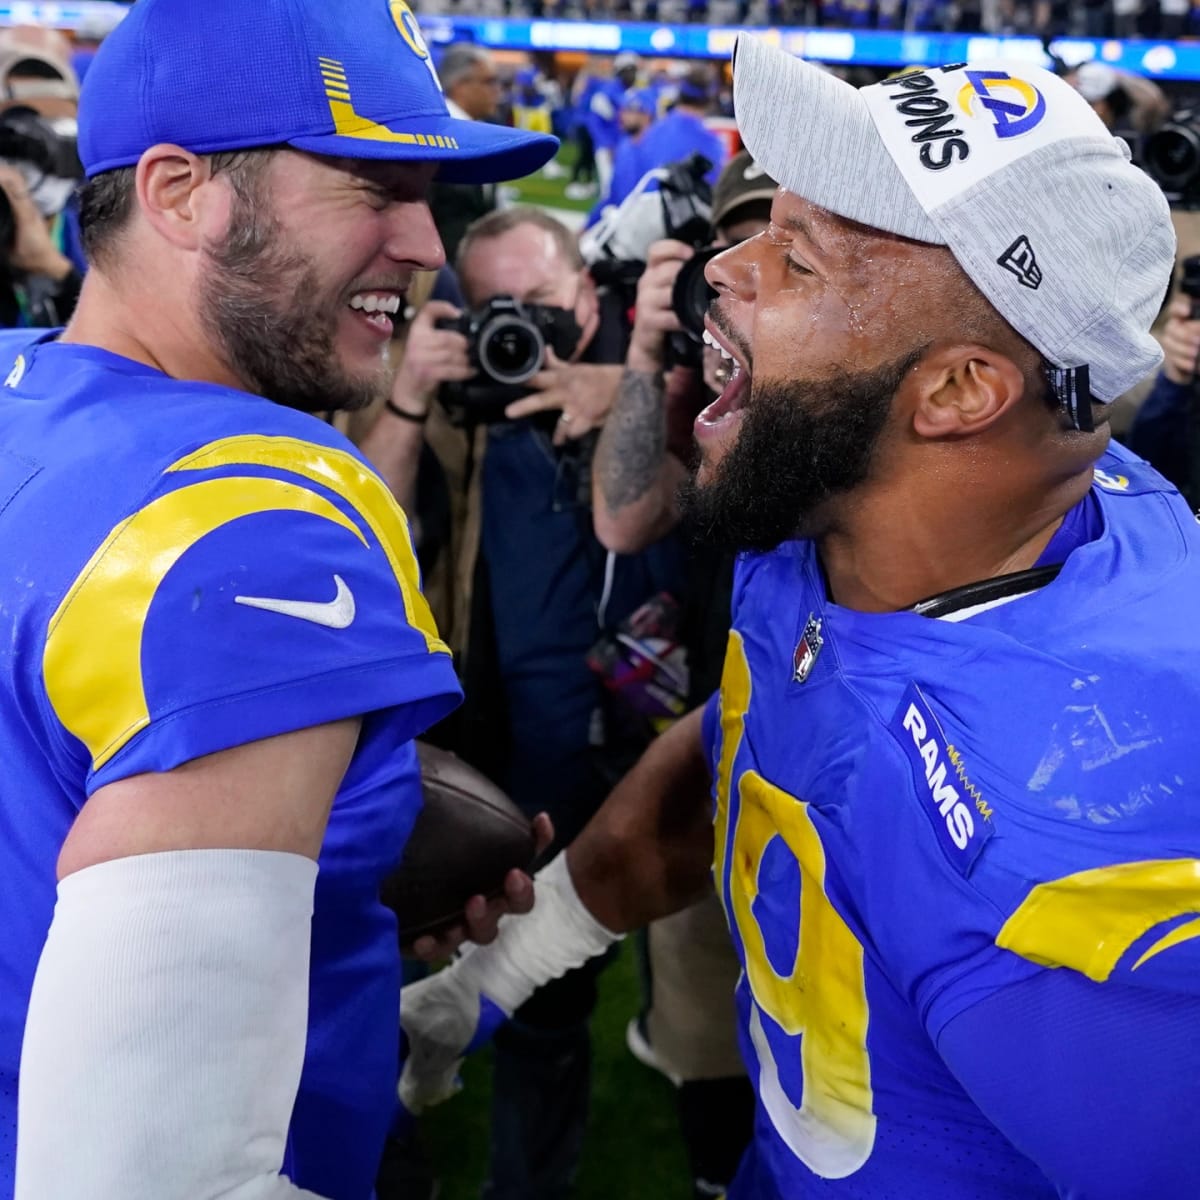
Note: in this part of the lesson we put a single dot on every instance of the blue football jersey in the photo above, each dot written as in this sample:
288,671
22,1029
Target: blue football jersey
917,817
676,137
189,568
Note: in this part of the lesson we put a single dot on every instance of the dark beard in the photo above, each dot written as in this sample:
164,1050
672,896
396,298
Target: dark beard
800,444
261,300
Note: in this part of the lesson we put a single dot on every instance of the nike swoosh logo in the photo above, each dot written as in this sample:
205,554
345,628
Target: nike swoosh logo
337,614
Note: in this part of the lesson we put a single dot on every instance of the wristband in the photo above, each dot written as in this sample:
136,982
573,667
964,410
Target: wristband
397,411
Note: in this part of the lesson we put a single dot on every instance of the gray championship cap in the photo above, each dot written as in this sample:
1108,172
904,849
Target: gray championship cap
1008,167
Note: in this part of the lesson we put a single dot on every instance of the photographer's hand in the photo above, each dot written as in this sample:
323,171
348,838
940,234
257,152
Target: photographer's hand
655,317
33,251
394,442
585,392
1181,342
432,357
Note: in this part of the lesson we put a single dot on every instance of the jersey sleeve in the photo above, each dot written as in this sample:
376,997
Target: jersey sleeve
1029,1053
263,585
1019,889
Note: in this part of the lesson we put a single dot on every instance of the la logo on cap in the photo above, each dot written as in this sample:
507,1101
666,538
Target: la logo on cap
1015,106
406,22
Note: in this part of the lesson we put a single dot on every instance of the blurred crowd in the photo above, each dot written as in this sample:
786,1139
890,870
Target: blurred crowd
1052,18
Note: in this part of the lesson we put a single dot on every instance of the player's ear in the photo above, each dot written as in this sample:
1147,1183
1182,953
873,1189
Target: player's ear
962,390
176,196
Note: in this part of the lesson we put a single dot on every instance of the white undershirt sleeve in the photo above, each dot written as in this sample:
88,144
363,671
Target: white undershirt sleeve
166,1030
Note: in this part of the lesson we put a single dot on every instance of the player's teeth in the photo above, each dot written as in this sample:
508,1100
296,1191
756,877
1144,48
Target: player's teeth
709,340
370,302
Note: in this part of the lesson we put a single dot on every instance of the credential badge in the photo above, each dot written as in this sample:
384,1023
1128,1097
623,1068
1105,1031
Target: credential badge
807,649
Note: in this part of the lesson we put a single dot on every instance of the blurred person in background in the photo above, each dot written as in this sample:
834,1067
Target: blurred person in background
639,107
1166,427
1130,105
537,718
42,262
603,98
530,102
683,132
582,183
472,86
687,1029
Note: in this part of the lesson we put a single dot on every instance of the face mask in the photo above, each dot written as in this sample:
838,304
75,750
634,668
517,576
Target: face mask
51,194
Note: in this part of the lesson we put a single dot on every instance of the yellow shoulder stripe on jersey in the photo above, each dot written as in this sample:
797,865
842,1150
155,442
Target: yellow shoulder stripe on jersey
357,485
92,662
1088,921
1182,933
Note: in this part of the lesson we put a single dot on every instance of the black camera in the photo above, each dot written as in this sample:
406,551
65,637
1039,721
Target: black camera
669,202
679,206
507,341
40,152
692,293
1171,157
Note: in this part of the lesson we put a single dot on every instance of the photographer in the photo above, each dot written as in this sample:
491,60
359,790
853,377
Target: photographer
687,1030
544,592
41,261
1163,431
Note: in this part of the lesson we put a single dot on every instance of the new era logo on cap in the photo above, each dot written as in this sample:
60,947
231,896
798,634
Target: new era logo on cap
1021,261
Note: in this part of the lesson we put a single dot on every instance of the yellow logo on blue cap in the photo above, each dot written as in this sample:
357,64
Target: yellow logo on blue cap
348,122
406,22
1015,106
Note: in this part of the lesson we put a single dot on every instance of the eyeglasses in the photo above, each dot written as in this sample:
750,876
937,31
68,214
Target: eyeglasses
487,80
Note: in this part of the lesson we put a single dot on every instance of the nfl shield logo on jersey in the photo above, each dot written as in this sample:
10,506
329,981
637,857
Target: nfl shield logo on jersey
807,649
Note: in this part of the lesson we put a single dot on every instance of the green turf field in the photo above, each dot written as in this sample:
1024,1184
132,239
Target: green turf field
633,1149
551,193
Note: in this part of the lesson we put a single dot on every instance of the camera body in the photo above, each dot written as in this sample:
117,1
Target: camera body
692,293
669,202
1171,157
507,342
47,158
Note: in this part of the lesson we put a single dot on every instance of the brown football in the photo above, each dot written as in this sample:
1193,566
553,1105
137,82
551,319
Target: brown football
467,838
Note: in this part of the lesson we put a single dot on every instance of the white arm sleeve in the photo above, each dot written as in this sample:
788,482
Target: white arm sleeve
444,1014
166,1030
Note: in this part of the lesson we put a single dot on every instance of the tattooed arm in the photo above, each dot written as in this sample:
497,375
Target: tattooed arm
635,476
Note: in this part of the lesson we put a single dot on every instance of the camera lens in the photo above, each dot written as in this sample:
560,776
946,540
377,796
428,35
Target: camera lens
1172,156
692,295
511,350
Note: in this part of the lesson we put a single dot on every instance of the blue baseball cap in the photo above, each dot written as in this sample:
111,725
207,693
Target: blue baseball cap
339,78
